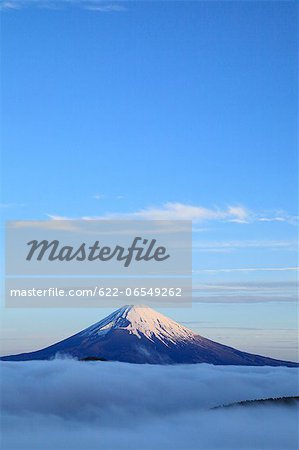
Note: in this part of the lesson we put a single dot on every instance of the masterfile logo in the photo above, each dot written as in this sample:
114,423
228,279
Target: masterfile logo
140,250
70,262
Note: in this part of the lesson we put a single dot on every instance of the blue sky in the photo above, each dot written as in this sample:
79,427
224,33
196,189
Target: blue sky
161,110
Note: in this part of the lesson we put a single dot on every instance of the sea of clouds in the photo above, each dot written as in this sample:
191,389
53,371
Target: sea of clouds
67,404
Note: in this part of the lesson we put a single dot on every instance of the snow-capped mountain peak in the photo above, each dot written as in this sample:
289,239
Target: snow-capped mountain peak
142,321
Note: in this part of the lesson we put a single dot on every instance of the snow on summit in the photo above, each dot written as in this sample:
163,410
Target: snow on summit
140,320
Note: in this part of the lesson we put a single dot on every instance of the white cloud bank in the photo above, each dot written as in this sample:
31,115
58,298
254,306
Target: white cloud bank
72,405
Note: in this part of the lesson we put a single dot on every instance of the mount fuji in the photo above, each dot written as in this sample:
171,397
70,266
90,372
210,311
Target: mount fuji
138,334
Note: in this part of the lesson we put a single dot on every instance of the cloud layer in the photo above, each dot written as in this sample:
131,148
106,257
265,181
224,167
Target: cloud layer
68,404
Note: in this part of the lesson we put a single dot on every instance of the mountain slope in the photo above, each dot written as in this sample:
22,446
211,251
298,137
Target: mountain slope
138,334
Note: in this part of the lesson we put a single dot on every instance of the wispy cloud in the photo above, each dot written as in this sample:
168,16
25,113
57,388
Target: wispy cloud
245,292
282,217
281,286
98,196
246,269
10,5
90,5
238,214
181,211
11,205
175,211
245,299
102,7
231,246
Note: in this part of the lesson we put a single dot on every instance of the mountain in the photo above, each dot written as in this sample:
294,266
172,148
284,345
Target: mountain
138,334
